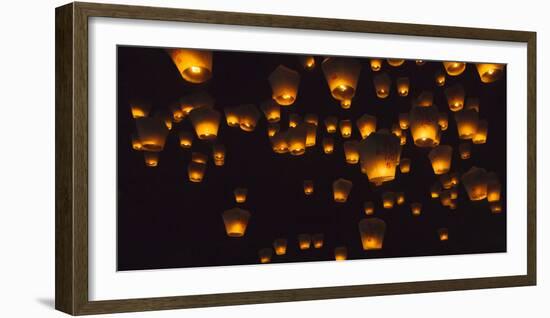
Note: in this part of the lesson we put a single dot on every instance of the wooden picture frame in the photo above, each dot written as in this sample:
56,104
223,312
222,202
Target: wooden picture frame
71,291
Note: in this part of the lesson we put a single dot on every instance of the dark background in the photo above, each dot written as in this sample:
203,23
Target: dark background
165,221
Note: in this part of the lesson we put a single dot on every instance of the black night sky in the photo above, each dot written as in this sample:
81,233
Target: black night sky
165,221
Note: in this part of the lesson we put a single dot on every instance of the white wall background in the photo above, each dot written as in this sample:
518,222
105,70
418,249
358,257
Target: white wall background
27,158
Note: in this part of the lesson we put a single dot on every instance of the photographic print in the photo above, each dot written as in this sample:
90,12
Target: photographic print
243,158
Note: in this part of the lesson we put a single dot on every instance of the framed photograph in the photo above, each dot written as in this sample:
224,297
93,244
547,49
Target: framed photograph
217,158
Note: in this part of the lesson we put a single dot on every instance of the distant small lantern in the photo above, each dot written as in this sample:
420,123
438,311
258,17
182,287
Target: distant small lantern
472,103
366,125
308,62
186,139
351,151
424,99
311,119
375,65
455,178
152,133
443,121
196,100
435,190
399,198
177,113
294,120
396,130
443,234
493,187
424,126
445,197
465,150
405,165
416,208
331,124
195,171
446,181
139,109
235,221
308,187
382,83
279,142
341,189
328,145
265,255
279,245
296,140
489,73
439,78
475,183
311,138
284,85
455,97
342,75
304,241
369,208
271,110
318,240
166,118
272,129
195,66
403,138
402,84
395,62
151,158
420,62
136,143
240,194
372,231
388,199
454,68
496,207
453,205
231,116
404,120
346,128
248,117
379,155
440,157
218,154
340,253
480,136
206,122
454,194
199,157
467,121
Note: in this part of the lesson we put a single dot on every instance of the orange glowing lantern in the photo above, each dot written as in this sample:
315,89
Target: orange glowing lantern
445,197
296,138
424,126
196,100
311,119
195,171
395,62
379,155
284,85
265,255
435,190
439,78
279,142
382,83
372,232
272,129
455,97
318,240
346,128
294,120
195,66
304,241
235,221
186,139
480,136
455,178
311,138
341,189
177,113
232,116
496,207
467,121
240,194
424,99
248,117
388,200
472,103
166,118
340,253
443,234
279,245
416,208
465,150
489,73
151,158
308,187
420,62
351,151
399,198
366,125
341,75
218,154
375,64
369,208
139,109
199,157
405,165
475,183
493,187
206,122
396,130
440,157
328,145
404,120
152,133
403,138
271,110
331,123
136,143
308,62
446,181
454,68
402,86
443,121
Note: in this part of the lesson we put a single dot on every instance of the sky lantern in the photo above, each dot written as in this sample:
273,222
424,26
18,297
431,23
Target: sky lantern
424,99
284,85
311,138
375,65
139,109
399,198
342,75
404,120
443,121
372,232
331,123
308,62
466,122
346,128
166,118
231,116
388,199
351,151
271,110
396,130
379,155
403,138
446,180
151,158
240,194
454,68
402,84
248,117
420,62
235,221
493,187
265,255
294,120
279,245
136,143
308,187
206,122
480,136
496,207
199,157
454,193
443,234
318,240
455,178
341,189
465,150
405,165
186,139
472,103
368,207
445,197
272,129
195,171
395,62
489,73
424,126
440,157
177,113
196,100
475,183
195,66
435,190
311,119
218,154
340,253
328,145
366,125
455,97
416,208
279,142
304,241
152,133
382,83
439,78
296,138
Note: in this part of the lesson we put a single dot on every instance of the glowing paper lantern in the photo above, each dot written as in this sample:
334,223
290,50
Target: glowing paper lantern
235,221
465,150
388,199
375,64
396,130
443,121
435,190
279,245
399,198
440,157
489,73
379,155
372,232
420,62
369,208
403,138
454,193
240,195
439,78
195,66
341,75
318,240
416,208
206,122
404,120
152,133
294,120
424,99
405,165
424,126
493,187
366,125
199,157
265,255
472,103
455,97
496,207
186,139
443,234
402,84
445,197
328,145
340,253
195,171
279,142
272,129
382,83
136,143
311,138
446,181
455,178
454,68
139,109
331,123
196,100
296,138
346,128
177,113
475,183
248,117
166,118
271,110
311,119
341,189
218,153
351,151
395,62
232,116
304,241
480,136
151,158
308,187
284,85
308,62
466,122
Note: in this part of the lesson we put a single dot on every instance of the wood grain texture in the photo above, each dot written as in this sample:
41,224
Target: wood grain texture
72,158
